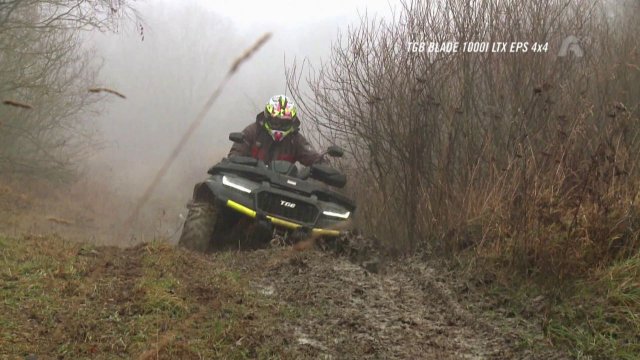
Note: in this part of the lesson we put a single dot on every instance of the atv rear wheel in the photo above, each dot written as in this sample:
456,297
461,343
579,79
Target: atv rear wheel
198,229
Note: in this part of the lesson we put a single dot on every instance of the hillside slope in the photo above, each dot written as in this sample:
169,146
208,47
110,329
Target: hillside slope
68,300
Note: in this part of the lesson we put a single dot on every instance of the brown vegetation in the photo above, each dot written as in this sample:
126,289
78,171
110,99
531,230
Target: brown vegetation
527,155
522,166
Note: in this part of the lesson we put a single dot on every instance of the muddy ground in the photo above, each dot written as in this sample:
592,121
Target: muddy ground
66,300
407,310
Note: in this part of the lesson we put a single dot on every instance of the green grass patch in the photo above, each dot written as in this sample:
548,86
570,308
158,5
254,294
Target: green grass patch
160,297
601,317
83,302
594,317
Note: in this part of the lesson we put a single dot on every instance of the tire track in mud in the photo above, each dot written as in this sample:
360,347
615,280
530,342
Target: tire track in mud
406,313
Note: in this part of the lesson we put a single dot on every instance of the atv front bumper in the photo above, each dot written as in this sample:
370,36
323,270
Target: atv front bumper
280,222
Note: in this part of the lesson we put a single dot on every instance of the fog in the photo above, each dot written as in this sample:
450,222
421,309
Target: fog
169,66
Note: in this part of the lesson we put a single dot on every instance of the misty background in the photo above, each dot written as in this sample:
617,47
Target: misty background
168,66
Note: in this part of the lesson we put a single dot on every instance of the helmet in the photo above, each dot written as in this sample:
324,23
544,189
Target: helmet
280,117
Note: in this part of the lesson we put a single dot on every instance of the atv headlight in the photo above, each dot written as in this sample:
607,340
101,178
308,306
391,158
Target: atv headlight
341,215
235,184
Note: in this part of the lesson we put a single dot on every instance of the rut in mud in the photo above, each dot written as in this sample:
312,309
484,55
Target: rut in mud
406,313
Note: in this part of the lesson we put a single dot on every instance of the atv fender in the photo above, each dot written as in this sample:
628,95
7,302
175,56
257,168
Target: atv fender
202,192
212,191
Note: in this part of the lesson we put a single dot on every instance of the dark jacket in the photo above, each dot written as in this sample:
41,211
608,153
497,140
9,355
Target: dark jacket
260,145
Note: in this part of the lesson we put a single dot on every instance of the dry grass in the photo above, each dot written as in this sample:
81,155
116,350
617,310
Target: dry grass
107,90
17,104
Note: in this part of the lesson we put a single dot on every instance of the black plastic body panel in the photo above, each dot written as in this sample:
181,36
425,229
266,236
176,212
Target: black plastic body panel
297,200
260,172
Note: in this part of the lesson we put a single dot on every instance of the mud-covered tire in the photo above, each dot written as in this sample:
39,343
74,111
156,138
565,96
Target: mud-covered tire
198,230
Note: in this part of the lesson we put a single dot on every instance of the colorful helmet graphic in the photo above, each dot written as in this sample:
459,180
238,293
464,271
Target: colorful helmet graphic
280,114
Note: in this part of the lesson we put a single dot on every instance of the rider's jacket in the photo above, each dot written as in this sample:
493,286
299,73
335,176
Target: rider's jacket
260,145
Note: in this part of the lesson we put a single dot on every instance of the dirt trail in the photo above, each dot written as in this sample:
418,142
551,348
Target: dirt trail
406,313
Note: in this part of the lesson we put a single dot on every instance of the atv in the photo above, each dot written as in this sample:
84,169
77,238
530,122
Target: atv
282,202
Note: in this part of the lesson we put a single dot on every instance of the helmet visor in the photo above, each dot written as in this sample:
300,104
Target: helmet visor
280,124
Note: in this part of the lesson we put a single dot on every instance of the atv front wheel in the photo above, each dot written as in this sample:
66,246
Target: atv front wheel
198,229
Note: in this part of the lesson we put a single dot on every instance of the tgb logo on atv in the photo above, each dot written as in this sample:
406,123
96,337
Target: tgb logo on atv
287,204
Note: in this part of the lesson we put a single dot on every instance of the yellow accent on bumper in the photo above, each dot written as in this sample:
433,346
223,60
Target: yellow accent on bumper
241,208
277,221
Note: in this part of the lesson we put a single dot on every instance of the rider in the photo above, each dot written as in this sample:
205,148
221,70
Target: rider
275,135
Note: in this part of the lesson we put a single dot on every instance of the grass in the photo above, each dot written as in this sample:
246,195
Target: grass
594,317
69,300
601,318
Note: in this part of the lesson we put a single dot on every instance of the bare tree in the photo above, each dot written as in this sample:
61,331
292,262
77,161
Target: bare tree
61,14
44,65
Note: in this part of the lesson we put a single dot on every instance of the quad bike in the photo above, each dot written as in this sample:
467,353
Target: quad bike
282,202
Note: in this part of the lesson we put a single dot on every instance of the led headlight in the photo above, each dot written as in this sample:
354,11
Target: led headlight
341,215
235,184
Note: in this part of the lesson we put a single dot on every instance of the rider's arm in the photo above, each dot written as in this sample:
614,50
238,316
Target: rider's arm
305,153
244,149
